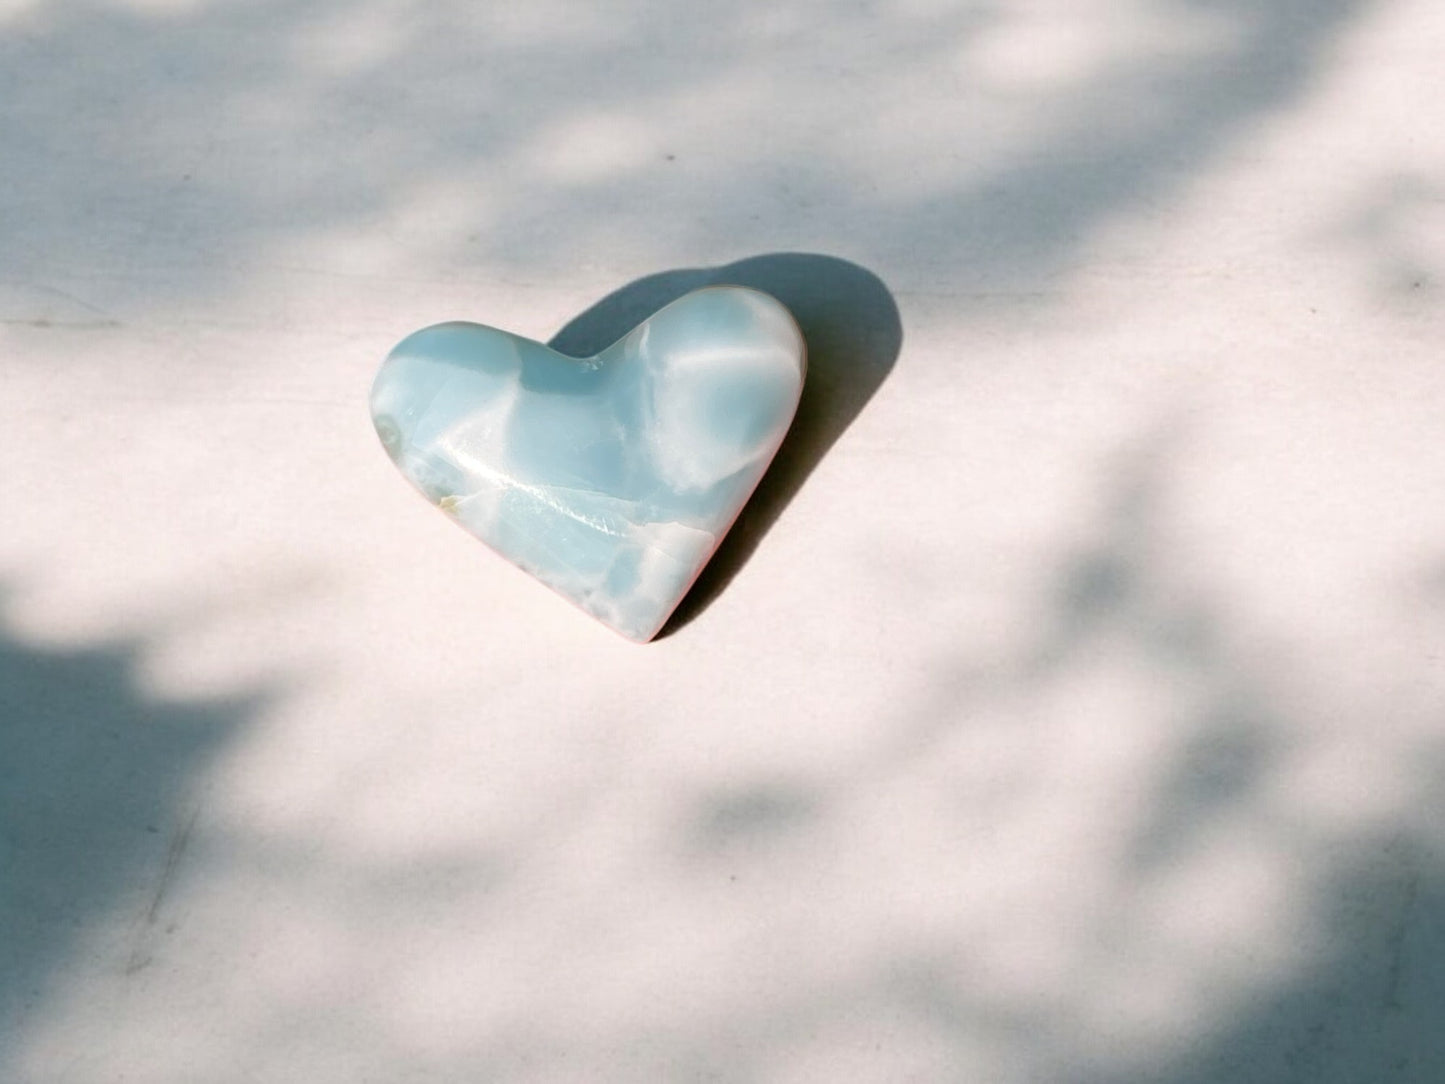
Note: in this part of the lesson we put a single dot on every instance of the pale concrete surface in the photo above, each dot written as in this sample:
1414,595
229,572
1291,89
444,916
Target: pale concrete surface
1077,718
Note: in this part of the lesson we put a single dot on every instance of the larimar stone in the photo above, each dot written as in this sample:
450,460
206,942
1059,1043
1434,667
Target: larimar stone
613,478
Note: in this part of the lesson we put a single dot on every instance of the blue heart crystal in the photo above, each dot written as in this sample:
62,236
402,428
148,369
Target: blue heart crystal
612,479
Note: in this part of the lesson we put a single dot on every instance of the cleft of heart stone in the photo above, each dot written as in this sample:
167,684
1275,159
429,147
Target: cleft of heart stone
612,479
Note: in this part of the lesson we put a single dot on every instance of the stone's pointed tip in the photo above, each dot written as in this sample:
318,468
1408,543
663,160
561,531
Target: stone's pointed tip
611,479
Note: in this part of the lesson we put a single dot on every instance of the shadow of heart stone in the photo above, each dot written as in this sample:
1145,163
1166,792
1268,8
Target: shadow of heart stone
851,325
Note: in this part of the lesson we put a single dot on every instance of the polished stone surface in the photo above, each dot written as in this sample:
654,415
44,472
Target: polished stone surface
612,479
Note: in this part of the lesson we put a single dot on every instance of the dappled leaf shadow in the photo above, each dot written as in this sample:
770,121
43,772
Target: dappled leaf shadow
195,142
186,154
1367,1008
1360,994
99,802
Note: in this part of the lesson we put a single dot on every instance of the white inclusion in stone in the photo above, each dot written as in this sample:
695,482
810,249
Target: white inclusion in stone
719,387
611,479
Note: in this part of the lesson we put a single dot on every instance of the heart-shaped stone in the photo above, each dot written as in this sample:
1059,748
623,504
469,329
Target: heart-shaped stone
613,478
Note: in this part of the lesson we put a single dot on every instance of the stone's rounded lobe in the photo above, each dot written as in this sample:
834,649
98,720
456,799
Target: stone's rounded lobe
612,479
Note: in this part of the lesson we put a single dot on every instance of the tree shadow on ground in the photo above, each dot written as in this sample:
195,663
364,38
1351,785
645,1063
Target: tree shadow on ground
1367,1007
98,807
1359,991
117,166
118,179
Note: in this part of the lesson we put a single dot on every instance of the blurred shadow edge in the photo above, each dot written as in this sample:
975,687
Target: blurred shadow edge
99,790
853,332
